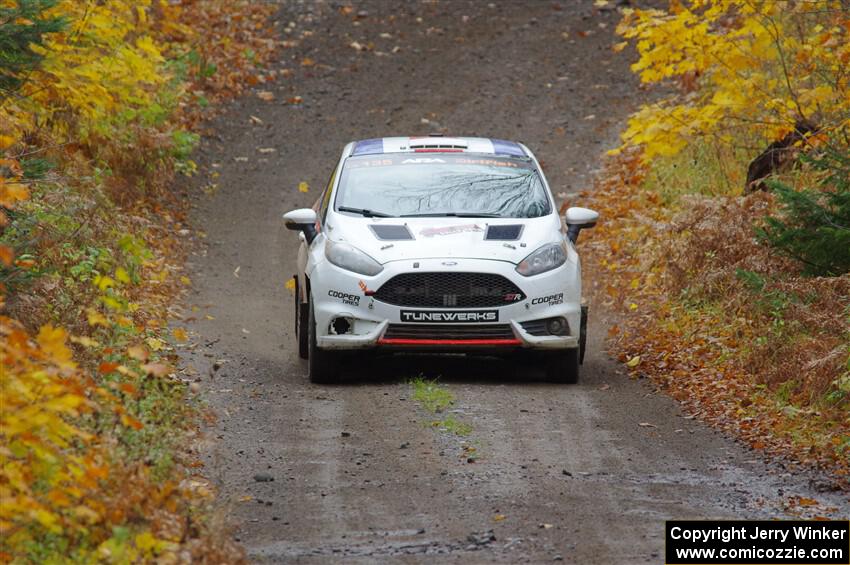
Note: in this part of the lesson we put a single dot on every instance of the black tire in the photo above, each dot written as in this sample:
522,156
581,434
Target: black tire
582,340
563,366
320,363
302,320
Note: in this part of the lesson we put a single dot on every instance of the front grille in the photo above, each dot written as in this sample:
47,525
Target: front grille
449,290
447,332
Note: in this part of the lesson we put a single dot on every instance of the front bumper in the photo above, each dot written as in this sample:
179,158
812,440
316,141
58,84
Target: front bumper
370,323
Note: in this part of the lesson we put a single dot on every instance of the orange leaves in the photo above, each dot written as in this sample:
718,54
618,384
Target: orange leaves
731,355
12,191
7,254
106,368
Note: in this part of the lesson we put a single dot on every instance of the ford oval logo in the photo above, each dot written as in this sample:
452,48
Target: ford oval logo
449,263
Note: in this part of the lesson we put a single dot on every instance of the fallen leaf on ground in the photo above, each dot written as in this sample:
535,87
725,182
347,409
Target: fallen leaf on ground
138,353
303,187
266,95
156,369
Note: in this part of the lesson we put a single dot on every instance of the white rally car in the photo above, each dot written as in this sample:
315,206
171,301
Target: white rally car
443,245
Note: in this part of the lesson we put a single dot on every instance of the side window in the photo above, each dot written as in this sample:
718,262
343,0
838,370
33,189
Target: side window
326,197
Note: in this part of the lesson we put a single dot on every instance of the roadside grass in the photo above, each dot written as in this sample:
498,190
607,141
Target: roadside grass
715,316
433,397
450,424
436,399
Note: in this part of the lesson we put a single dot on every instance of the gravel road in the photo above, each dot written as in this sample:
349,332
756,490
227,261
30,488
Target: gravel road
584,473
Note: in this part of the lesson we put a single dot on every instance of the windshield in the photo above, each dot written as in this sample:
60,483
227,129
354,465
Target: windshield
441,185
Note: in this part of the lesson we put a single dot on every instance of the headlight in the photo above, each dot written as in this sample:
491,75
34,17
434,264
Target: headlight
546,258
350,258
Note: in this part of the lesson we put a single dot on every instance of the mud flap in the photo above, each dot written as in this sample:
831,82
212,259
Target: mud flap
582,336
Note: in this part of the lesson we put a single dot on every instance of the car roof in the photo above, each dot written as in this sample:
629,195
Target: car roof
438,144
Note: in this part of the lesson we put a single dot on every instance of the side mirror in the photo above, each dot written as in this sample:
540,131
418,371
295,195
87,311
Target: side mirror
303,220
578,219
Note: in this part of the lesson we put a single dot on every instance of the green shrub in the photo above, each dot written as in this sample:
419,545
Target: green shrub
814,224
22,26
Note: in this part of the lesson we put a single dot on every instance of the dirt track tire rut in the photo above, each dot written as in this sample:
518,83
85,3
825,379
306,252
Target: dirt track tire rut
587,472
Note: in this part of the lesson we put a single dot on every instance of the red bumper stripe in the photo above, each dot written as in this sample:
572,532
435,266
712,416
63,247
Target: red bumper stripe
398,341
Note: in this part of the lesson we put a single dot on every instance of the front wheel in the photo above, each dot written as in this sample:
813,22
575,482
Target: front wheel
320,362
563,366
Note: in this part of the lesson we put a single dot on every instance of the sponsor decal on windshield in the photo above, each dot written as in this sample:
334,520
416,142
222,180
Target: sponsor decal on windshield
455,159
449,230
451,316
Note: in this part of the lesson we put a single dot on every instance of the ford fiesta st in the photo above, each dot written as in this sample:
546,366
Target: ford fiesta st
443,245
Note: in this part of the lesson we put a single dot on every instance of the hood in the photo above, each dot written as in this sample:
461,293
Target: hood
394,239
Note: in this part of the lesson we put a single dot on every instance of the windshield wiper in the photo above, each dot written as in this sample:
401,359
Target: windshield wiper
363,212
452,214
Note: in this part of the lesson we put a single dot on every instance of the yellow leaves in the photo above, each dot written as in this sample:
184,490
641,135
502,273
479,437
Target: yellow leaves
155,344
775,67
95,318
40,388
303,187
633,362
103,60
85,341
52,343
122,276
103,282
179,334
12,192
